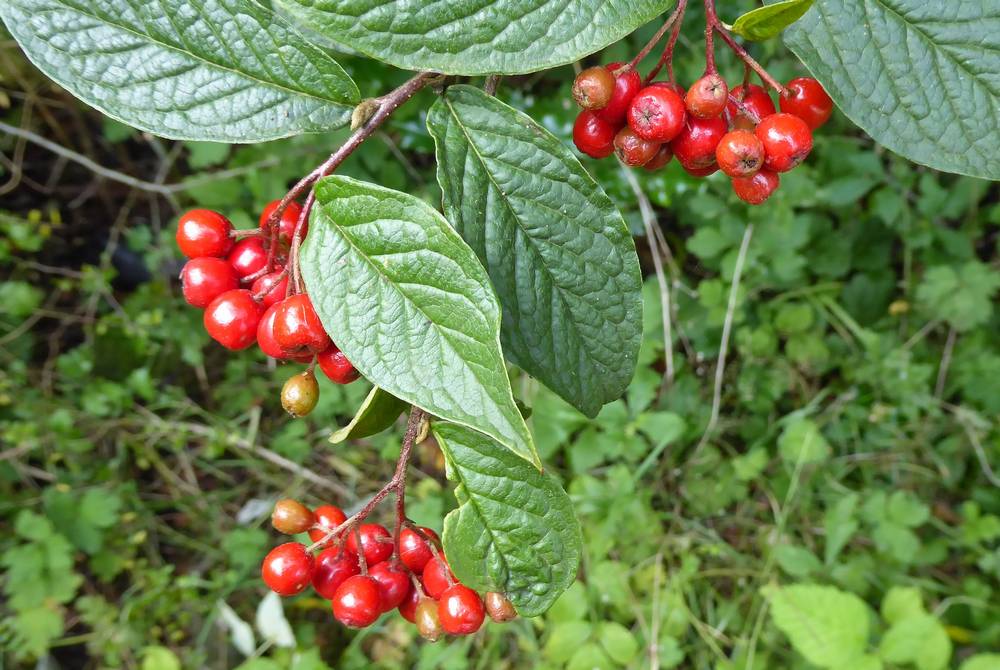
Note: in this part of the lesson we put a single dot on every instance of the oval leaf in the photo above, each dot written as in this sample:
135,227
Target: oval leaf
377,413
476,36
409,304
221,70
514,530
827,626
558,251
768,21
919,77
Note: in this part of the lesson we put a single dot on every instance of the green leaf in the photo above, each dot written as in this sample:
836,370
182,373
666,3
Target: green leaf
377,413
801,441
564,639
827,626
557,250
917,76
796,561
768,21
514,530
618,641
409,304
476,36
863,662
222,70
159,658
962,295
920,640
981,662
901,602
35,628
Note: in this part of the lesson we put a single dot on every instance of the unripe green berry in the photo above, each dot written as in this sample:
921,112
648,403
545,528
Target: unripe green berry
300,394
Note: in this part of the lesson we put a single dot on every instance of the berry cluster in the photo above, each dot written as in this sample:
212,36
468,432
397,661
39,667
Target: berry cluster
707,128
364,572
241,280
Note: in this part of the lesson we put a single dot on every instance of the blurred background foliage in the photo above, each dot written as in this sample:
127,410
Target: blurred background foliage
849,476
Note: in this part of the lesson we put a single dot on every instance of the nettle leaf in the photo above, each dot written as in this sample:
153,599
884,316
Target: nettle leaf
919,77
514,530
377,413
768,21
408,303
557,249
474,37
223,70
827,626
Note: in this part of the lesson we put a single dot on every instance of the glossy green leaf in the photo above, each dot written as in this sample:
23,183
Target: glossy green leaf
223,70
377,413
408,303
476,36
768,21
557,249
919,77
514,530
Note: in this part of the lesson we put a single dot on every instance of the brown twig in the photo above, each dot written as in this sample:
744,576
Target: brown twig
667,57
713,24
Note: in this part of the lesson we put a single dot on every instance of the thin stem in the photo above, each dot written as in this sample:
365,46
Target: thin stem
743,109
667,57
710,38
713,24
657,37
492,82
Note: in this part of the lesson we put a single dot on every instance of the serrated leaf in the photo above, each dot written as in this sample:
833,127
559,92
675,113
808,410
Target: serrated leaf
961,295
919,77
222,70
476,36
408,303
802,442
557,250
920,640
377,413
827,626
514,530
768,21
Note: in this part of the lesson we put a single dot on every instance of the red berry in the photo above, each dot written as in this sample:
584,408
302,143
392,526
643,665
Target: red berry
328,517
393,583
707,97
335,365
661,158
232,319
202,232
437,577
671,86
334,566
593,136
267,343
248,256
740,153
413,550
807,100
286,224
291,517
656,114
427,620
701,171
376,542
297,328
408,608
460,610
756,188
787,141
271,287
632,150
287,569
627,84
205,279
756,101
696,143
592,88
356,602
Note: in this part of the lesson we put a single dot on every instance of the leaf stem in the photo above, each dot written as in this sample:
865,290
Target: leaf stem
667,57
713,24
667,25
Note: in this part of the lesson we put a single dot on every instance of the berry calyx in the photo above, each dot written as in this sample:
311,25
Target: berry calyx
334,566
756,188
376,542
787,141
627,84
413,550
756,100
740,153
232,318
593,136
271,288
287,569
632,150
460,610
593,87
707,97
408,608
202,232
297,328
393,583
807,99
286,224
291,517
328,518
248,256
206,278
300,394
356,602
661,158
427,620
335,365
499,607
656,114
695,146
437,577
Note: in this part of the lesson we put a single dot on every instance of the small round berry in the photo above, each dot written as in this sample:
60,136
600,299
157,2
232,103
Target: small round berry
267,343
787,141
460,610
334,566
707,97
756,101
593,87
656,114
393,583
205,278
695,146
232,319
632,150
286,224
248,256
300,394
701,171
408,608
807,100
671,86
202,232
356,602
499,607
427,620
756,188
272,287
335,365
593,136
627,84
740,153
291,517
328,517
661,158
287,569
413,550
437,577
297,328
376,542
